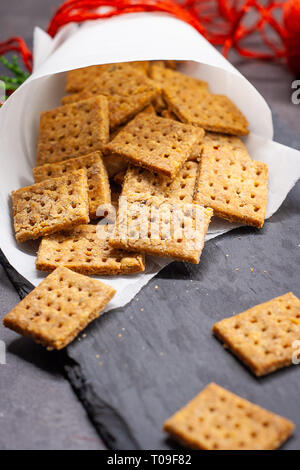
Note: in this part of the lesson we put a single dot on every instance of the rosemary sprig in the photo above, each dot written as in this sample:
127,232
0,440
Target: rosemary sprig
19,75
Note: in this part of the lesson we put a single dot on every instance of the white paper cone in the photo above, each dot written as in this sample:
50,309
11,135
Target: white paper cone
141,36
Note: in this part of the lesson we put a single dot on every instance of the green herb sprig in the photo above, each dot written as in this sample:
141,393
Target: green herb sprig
19,75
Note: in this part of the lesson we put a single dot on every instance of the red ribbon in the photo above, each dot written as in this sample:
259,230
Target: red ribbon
222,22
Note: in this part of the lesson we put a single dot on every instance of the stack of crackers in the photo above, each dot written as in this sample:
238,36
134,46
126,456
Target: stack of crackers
135,144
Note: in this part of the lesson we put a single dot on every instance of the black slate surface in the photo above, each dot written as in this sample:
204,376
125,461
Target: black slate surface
148,359
139,364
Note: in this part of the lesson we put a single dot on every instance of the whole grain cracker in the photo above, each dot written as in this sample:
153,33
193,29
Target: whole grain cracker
161,227
140,183
233,185
63,304
86,250
52,205
263,336
217,419
166,78
73,130
159,144
82,79
98,184
211,112
128,91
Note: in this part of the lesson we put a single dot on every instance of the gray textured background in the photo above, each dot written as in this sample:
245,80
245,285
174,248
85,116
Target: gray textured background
38,408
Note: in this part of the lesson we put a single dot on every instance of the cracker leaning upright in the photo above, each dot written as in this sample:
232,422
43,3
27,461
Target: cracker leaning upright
73,130
52,205
159,144
63,304
98,183
233,185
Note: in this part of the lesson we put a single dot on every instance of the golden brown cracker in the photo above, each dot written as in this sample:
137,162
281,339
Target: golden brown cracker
235,186
56,311
159,144
127,89
263,336
139,183
73,130
83,78
98,184
86,250
211,112
166,78
217,419
161,227
52,205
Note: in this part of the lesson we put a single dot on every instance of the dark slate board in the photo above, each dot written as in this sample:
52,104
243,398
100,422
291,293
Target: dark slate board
158,352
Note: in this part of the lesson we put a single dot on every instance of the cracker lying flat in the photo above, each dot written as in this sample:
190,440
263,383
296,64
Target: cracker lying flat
217,419
166,78
212,112
86,251
128,91
52,205
63,304
159,144
161,227
263,336
73,130
98,184
140,183
82,79
233,185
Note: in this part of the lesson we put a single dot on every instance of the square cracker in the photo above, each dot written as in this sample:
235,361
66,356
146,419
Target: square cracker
211,112
161,227
217,419
98,184
73,130
63,304
139,182
156,143
233,185
86,250
128,91
82,79
52,205
120,108
166,78
262,337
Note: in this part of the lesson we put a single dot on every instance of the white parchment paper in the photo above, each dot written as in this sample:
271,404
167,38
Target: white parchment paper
142,36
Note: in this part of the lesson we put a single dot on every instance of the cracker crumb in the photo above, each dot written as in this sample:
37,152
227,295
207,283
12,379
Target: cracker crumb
120,335
97,356
227,255
237,269
156,287
141,309
252,269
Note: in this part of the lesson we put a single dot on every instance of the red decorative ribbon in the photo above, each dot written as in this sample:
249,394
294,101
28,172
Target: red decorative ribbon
222,22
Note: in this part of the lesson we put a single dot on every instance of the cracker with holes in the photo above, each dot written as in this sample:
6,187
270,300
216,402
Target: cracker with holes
56,311
217,419
86,250
211,112
127,89
82,79
156,143
98,184
50,206
263,336
161,227
139,182
166,78
73,130
233,185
